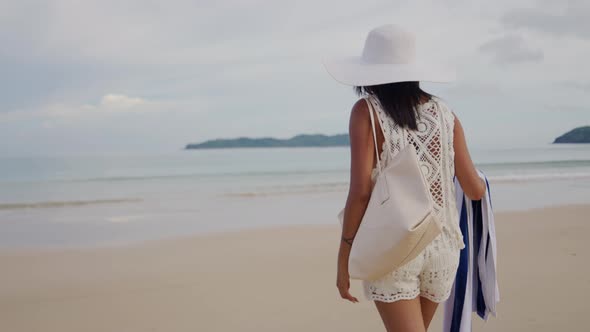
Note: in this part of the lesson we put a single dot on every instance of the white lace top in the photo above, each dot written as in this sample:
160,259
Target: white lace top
434,144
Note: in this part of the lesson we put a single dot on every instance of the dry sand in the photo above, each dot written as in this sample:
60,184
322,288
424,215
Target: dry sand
280,279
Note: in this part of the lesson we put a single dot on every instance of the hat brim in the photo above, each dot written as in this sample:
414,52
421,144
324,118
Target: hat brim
353,71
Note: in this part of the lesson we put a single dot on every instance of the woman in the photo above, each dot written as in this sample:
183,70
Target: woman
387,76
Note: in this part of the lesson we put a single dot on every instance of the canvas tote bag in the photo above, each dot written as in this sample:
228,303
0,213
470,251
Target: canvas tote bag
399,221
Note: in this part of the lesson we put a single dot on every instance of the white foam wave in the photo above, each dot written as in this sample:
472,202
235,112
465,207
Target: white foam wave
61,204
538,177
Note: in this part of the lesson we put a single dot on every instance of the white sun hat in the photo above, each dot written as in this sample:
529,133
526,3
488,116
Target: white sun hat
389,56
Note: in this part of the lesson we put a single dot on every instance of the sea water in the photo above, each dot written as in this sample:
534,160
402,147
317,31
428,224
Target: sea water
118,199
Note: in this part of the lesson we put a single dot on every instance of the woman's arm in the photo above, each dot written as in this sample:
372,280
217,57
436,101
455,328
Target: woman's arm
362,160
473,186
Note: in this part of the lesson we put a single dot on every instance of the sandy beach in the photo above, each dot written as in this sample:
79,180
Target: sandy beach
278,279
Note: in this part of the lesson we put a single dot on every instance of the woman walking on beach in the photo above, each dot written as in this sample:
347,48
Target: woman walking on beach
387,76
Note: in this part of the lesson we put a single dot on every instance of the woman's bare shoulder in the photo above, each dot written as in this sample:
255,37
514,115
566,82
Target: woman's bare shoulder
359,110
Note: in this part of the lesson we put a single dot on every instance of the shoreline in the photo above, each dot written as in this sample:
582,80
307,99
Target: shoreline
224,232
278,278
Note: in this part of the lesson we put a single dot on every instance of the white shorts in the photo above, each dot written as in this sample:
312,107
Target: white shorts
431,275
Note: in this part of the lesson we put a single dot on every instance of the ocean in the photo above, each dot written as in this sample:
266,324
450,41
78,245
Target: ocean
80,201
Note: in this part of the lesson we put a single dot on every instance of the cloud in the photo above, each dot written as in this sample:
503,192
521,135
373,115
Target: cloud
569,20
72,69
117,102
109,103
511,49
577,85
568,108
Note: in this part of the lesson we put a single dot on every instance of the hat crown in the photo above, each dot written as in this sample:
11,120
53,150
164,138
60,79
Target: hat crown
389,44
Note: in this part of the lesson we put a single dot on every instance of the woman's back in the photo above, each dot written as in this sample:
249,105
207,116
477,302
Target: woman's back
433,141
388,69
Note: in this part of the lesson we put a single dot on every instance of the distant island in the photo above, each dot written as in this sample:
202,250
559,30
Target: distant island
269,142
577,135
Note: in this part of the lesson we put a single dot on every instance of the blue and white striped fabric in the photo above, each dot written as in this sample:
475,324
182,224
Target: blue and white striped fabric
476,286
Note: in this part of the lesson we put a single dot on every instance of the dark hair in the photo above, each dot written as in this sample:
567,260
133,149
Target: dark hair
399,100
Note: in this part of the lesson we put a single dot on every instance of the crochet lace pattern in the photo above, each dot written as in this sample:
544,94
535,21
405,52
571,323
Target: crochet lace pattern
434,146
431,274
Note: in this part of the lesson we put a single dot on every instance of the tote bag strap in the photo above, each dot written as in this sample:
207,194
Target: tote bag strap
371,110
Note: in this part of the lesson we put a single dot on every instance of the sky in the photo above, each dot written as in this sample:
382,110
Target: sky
82,77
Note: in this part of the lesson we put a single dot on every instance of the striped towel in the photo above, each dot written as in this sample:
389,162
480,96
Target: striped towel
476,286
